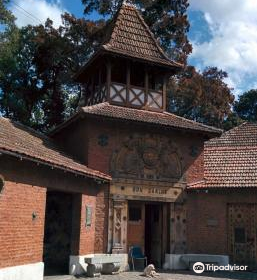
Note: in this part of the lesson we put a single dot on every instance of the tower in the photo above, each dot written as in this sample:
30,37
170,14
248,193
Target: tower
129,69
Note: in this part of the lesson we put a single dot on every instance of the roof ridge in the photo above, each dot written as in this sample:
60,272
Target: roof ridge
96,110
27,128
192,121
226,133
114,22
153,37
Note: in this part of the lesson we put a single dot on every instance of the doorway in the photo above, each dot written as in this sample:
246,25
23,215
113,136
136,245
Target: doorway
57,234
242,234
154,232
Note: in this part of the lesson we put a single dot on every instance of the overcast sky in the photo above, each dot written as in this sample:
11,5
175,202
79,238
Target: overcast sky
223,33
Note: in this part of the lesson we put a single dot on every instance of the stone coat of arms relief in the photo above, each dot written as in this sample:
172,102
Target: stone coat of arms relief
147,157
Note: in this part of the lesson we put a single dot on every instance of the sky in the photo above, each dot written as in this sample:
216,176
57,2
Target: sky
223,33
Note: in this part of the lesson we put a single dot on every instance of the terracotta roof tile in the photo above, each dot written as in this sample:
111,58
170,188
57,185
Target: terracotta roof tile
230,167
143,116
131,36
242,135
230,161
20,140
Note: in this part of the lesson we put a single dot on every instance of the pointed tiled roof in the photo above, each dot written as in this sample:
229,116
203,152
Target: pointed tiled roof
130,36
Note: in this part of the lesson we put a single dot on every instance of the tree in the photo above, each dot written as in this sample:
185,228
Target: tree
37,64
231,121
18,80
59,55
36,68
6,17
246,106
203,97
167,20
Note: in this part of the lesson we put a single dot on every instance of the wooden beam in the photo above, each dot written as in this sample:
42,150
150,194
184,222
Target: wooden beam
128,69
100,78
146,86
108,78
164,93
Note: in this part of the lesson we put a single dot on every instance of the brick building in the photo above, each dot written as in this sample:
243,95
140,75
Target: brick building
44,199
114,174
123,129
224,204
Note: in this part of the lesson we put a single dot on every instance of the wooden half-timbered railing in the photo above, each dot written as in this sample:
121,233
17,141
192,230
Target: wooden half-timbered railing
134,96
129,96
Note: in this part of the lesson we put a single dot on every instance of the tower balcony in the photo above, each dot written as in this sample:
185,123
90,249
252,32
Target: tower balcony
134,96
128,96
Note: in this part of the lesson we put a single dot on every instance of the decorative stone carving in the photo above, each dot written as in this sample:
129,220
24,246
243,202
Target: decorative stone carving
119,226
150,157
102,263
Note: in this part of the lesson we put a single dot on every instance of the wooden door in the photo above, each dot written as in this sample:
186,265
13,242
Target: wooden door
156,235
242,234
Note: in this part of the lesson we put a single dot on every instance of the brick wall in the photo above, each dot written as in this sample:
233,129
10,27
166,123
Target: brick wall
202,236
207,220
21,237
101,220
86,132
87,233
99,157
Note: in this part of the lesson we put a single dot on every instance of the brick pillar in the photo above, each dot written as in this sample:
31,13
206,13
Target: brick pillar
76,223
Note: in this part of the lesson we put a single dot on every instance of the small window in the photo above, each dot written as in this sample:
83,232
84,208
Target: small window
1,183
240,235
134,214
88,216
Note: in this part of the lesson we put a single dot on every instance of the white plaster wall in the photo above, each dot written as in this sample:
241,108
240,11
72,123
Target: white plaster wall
33,271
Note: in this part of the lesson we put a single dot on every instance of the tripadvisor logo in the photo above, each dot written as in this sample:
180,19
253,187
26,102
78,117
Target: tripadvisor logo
199,267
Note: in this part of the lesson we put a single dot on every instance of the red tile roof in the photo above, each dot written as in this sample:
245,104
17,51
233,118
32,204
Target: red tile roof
231,160
130,36
108,111
143,116
19,140
242,135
